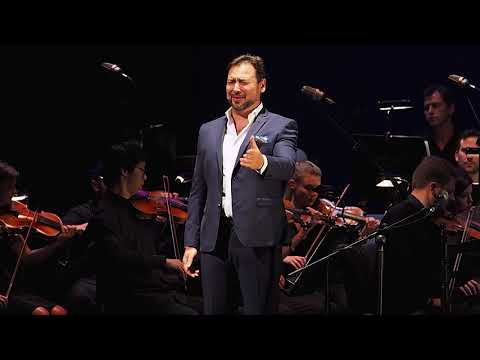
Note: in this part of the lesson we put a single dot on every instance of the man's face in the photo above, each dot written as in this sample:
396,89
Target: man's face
136,178
243,89
436,110
470,162
303,190
7,189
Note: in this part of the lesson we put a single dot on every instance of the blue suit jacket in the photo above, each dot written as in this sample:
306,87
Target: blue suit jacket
257,200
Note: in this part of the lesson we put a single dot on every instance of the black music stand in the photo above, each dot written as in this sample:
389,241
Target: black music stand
397,156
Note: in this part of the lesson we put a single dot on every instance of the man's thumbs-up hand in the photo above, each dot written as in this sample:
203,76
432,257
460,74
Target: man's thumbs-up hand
253,158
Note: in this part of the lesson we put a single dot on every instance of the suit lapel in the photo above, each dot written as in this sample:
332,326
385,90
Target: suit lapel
259,122
219,146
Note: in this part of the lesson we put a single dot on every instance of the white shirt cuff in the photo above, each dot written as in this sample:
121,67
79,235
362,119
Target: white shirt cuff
265,164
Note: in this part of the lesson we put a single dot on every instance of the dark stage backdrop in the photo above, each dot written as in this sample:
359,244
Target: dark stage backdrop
61,109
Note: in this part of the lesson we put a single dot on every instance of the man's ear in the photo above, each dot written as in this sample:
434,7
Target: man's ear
263,85
435,189
291,184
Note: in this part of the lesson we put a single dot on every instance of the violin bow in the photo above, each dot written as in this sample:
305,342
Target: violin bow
458,258
318,241
176,246
314,243
20,256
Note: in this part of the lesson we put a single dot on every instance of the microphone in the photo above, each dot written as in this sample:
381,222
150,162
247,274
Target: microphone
115,68
442,197
316,94
462,82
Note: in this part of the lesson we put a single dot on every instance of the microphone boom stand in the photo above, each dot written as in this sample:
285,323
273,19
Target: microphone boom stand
380,240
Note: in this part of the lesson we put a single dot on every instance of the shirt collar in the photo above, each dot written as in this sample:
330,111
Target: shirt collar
251,117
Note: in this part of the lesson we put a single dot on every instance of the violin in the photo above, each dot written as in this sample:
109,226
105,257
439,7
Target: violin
327,211
299,216
19,216
457,224
154,203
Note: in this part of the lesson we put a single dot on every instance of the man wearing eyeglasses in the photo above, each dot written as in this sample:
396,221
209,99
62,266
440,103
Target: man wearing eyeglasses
129,268
470,162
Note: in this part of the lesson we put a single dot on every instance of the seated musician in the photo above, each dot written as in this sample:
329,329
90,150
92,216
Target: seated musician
80,296
24,298
412,252
466,292
302,194
127,263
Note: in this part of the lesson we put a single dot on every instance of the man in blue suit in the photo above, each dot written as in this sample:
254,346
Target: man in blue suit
236,217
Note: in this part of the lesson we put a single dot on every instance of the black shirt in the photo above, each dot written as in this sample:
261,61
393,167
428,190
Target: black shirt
124,248
80,214
412,263
448,151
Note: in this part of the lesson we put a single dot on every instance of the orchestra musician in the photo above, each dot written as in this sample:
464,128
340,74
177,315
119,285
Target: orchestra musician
302,194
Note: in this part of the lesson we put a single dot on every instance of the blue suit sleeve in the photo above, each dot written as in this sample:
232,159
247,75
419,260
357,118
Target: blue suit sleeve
196,201
281,165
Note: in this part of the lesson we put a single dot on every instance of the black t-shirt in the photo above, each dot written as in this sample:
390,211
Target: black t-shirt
412,262
448,151
125,249
80,214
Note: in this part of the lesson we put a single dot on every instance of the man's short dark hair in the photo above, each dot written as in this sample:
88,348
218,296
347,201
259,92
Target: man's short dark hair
303,168
7,172
121,156
255,61
467,134
433,169
445,92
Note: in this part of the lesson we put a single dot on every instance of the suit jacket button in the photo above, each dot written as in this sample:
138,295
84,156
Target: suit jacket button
219,205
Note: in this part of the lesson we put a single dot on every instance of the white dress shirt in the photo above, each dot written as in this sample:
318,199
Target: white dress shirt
231,146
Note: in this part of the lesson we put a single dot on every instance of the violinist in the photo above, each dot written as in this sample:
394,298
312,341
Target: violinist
412,252
469,162
23,299
302,193
128,266
80,295
466,292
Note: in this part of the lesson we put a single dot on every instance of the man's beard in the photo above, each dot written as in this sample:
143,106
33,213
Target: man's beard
241,107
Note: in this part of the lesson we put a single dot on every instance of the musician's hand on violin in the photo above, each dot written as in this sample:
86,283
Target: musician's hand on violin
370,226
3,302
297,262
68,232
471,288
79,228
253,158
188,256
317,215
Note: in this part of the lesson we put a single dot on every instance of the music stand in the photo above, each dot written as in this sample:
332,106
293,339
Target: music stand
397,156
